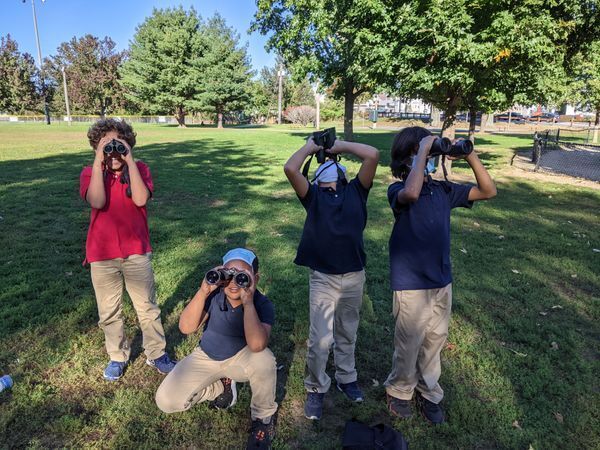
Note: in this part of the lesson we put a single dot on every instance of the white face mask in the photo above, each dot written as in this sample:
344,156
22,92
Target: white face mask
429,167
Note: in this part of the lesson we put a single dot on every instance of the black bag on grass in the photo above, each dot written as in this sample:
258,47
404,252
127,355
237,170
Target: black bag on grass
358,436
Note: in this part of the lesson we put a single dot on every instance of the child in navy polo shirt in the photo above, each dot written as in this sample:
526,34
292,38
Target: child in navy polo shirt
118,244
237,325
420,269
332,247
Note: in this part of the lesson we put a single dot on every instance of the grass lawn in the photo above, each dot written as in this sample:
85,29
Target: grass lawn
526,276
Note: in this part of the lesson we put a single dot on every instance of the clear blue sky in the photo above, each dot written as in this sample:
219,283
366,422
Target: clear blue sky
60,20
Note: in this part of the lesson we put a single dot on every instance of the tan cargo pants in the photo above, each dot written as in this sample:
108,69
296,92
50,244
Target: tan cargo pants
335,302
107,278
196,379
421,318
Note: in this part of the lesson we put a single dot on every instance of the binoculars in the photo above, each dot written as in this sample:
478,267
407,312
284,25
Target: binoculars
223,276
115,146
444,146
324,139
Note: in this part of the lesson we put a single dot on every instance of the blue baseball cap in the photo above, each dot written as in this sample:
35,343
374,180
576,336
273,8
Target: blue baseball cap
241,254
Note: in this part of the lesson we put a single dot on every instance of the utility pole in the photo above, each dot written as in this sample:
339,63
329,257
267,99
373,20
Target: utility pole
39,52
66,95
318,105
280,76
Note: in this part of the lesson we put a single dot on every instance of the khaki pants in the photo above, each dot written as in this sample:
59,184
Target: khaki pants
107,278
421,318
335,302
196,379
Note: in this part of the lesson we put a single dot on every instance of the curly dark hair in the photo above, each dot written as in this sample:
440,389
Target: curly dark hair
406,144
103,126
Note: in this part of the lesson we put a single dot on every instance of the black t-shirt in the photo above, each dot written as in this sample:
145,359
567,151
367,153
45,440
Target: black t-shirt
223,334
420,241
332,239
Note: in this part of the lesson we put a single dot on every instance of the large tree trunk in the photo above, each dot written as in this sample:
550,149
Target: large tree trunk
449,126
180,116
435,117
219,119
597,122
472,124
349,97
487,120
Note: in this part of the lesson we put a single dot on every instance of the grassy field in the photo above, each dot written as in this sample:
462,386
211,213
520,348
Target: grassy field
520,370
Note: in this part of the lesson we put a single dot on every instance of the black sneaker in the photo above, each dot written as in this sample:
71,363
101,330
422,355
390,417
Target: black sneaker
351,390
261,434
313,407
399,408
229,396
431,411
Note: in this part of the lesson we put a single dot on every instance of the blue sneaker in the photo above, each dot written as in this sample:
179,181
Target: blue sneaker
351,390
163,364
313,407
114,370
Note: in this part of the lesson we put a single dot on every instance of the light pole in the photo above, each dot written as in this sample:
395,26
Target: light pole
62,68
318,105
280,77
39,52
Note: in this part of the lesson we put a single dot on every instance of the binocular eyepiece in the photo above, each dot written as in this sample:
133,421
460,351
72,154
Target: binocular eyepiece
444,146
223,276
115,146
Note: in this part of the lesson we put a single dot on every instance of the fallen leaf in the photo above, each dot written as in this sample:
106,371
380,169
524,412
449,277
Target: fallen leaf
375,382
543,313
476,224
464,250
450,346
68,274
557,307
597,250
501,237
531,447
569,221
554,345
515,271
559,418
549,196
574,275
515,424
280,367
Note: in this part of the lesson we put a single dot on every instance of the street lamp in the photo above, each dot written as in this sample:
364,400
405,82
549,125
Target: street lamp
66,95
315,89
39,52
280,79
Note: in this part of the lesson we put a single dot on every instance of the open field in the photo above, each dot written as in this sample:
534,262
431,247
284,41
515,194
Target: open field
524,340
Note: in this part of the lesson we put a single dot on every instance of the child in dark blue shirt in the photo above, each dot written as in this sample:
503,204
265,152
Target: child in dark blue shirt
237,324
420,269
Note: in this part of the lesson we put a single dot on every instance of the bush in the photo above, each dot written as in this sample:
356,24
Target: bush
300,114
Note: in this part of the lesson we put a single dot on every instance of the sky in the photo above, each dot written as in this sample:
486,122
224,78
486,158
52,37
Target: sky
61,20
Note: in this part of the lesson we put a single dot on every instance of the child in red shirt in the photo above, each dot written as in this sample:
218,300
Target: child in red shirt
118,244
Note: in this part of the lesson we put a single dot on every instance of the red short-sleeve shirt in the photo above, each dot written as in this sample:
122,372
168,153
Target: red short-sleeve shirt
120,229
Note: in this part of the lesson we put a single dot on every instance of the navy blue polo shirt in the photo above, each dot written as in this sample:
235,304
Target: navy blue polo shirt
332,238
223,334
420,241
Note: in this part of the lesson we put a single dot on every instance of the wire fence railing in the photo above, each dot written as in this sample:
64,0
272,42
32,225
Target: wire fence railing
570,152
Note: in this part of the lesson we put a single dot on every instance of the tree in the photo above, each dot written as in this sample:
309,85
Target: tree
164,72
19,79
91,67
484,55
584,87
344,44
227,72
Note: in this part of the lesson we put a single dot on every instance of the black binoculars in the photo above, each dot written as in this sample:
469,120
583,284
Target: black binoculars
115,146
324,139
223,276
444,146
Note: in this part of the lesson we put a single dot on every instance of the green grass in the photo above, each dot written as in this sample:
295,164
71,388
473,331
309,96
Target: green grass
219,189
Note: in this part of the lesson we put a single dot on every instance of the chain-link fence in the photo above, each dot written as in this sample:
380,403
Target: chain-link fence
570,152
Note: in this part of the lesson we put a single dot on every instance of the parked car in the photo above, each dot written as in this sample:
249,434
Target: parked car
514,118
543,117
